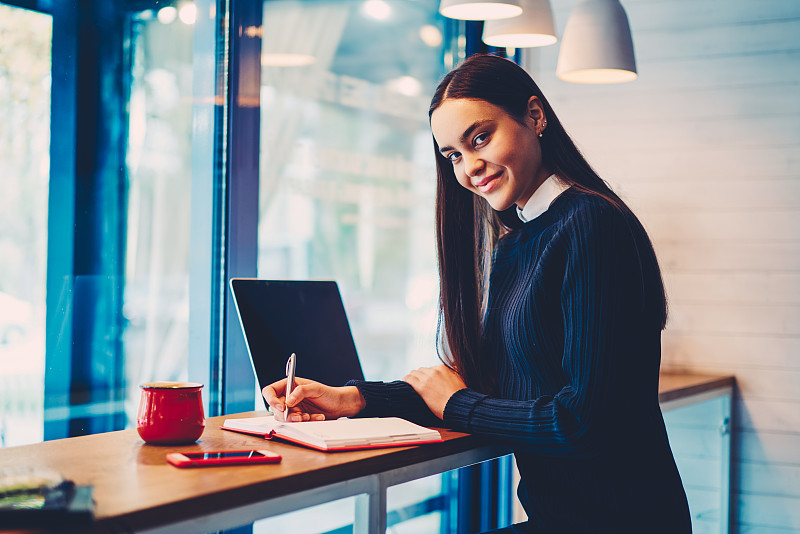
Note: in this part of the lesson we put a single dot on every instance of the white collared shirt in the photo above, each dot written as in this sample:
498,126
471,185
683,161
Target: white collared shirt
541,199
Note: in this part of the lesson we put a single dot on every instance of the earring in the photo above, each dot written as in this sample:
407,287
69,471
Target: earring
540,134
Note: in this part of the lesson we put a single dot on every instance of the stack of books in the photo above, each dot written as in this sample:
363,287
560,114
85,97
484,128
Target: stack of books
32,497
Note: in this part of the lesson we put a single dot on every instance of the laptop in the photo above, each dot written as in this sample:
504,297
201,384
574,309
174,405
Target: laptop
281,317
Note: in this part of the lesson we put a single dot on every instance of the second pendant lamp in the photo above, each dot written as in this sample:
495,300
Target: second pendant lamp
597,46
534,27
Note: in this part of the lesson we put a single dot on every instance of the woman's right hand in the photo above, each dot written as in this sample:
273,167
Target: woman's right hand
313,401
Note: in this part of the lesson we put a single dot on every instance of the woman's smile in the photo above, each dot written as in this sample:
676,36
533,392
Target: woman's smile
489,184
493,154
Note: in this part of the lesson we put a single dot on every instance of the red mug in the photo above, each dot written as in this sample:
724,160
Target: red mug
170,413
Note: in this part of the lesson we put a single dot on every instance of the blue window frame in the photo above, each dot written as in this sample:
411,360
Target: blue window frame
93,346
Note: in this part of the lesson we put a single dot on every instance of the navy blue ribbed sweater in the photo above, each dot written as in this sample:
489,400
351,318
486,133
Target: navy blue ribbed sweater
572,334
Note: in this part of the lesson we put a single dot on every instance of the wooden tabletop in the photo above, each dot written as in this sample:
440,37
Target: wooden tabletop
135,488
675,385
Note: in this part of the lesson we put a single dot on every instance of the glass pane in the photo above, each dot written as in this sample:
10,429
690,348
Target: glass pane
347,170
417,507
347,179
156,294
330,517
25,41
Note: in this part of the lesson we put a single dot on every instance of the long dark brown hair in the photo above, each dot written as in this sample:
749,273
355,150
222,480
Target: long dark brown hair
467,227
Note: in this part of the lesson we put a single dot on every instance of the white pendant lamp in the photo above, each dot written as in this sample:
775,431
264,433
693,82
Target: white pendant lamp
479,9
534,27
597,46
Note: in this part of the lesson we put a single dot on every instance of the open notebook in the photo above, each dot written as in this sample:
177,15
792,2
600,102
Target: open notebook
338,434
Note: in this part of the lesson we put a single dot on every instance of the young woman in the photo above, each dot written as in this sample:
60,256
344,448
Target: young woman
552,307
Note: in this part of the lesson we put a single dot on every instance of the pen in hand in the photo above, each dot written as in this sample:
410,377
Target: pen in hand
290,367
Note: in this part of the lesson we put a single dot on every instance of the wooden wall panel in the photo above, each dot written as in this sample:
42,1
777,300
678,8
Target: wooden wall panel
760,511
720,40
770,415
730,225
767,447
688,73
705,147
762,478
674,132
647,15
773,320
694,165
746,101
734,288
761,255
739,194
731,351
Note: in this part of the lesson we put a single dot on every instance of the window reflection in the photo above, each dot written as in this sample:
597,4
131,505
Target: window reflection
156,295
347,183
347,172
25,41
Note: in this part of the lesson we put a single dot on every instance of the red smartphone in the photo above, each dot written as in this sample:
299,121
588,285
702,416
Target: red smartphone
212,458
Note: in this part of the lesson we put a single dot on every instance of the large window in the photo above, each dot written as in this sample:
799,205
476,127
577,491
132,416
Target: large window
102,162
159,182
347,174
347,184
25,41
190,142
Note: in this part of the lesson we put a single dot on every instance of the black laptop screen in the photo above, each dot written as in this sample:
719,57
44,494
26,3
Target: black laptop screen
280,317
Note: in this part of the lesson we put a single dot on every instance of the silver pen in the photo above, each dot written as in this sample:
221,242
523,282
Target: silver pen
290,367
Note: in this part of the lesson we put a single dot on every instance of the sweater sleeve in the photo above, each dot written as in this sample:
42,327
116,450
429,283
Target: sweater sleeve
597,298
394,399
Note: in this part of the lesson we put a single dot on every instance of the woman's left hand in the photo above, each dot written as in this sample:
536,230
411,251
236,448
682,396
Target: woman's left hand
435,385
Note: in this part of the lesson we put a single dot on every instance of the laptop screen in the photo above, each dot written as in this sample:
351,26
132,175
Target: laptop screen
280,317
